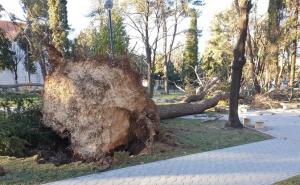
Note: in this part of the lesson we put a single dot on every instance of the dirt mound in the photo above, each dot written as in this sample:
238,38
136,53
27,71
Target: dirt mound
101,106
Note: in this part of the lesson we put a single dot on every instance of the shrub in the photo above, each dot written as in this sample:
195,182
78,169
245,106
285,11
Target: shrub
21,126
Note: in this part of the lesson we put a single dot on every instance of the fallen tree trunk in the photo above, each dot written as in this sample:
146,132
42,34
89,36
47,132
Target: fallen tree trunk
184,109
203,90
193,98
100,106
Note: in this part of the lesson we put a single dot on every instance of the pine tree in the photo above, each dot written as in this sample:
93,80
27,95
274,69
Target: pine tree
190,56
36,32
58,21
95,40
101,39
218,56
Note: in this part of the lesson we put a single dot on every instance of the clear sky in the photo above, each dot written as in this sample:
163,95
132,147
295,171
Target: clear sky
79,9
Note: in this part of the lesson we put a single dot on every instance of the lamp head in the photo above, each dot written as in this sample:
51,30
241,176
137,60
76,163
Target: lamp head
108,4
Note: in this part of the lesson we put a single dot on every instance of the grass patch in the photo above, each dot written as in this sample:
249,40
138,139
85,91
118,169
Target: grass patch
161,99
27,171
178,137
291,181
169,96
181,137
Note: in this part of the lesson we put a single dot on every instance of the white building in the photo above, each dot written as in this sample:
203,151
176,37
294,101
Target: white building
7,77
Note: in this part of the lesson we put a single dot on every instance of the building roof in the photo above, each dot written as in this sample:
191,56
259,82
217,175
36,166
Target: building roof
11,29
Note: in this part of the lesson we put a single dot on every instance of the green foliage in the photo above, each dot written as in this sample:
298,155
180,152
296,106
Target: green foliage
36,30
28,55
190,56
93,41
19,102
20,124
173,74
10,143
5,53
218,55
120,37
58,23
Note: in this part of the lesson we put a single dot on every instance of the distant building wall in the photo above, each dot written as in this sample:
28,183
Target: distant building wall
7,76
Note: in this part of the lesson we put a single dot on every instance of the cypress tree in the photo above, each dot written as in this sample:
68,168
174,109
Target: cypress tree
58,22
190,55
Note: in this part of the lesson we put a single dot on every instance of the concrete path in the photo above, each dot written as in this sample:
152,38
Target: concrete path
261,163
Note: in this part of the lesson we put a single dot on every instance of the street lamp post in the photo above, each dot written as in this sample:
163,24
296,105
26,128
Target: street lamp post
108,4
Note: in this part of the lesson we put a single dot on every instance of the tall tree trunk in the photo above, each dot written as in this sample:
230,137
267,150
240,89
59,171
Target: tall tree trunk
273,34
28,65
150,81
239,61
280,73
268,82
252,65
165,35
293,64
149,56
150,72
29,77
176,17
16,78
295,6
42,63
277,77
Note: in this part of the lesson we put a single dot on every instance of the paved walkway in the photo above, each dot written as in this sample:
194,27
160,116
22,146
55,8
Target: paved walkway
261,163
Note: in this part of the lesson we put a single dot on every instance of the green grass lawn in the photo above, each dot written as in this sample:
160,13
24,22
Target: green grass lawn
169,96
178,137
291,181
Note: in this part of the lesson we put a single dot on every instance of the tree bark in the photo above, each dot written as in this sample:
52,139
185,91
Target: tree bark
165,35
16,77
194,97
150,66
252,65
293,64
184,109
238,63
273,34
42,63
295,6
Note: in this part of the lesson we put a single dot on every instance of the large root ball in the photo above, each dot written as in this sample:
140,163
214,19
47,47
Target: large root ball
101,107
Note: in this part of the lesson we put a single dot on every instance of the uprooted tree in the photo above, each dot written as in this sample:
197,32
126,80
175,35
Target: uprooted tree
100,105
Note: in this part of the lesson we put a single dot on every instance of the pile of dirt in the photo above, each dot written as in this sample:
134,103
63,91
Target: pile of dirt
100,106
